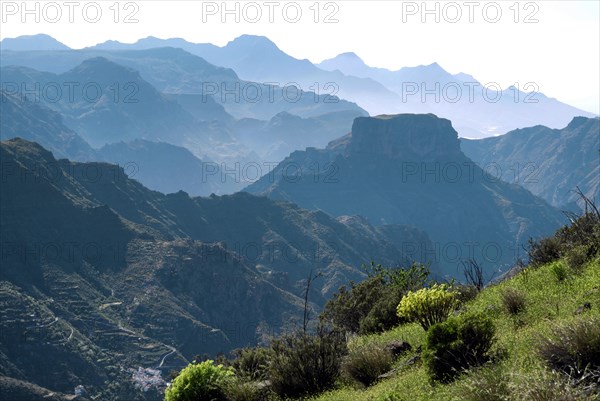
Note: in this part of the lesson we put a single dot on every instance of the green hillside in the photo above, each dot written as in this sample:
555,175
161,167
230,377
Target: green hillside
549,303
532,335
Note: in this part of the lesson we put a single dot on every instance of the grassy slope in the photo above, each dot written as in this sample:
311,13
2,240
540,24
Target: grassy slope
548,302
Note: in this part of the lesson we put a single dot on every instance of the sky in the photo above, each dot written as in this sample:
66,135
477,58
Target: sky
553,44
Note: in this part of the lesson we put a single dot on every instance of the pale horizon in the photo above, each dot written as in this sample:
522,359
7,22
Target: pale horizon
559,52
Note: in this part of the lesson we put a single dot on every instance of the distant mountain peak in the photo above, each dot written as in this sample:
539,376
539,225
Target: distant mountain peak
261,42
349,55
101,66
343,61
464,77
32,42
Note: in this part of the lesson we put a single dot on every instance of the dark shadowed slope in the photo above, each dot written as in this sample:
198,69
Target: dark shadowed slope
107,276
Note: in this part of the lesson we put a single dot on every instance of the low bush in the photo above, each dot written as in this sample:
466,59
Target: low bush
544,251
306,364
560,271
428,306
513,301
200,381
241,390
457,344
366,363
252,364
577,256
349,306
574,350
382,315
577,242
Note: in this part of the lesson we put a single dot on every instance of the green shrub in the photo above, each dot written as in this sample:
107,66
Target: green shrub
252,364
349,306
383,315
457,344
428,306
578,242
577,256
465,293
366,363
574,350
513,301
560,271
370,306
200,381
306,364
544,251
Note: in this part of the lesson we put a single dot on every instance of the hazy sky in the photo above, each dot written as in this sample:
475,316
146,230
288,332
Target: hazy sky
555,44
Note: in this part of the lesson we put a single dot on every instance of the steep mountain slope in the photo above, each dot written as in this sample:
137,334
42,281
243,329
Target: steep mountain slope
122,283
19,390
33,121
551,163
409,170
169,168
476,109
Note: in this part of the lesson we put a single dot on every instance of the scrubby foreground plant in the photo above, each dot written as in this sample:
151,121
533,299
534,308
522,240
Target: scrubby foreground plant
366,363
428,306
201,381
457,344
574,350
304,364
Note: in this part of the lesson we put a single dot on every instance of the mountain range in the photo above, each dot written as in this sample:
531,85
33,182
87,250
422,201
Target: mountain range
409,169
477,109
166,199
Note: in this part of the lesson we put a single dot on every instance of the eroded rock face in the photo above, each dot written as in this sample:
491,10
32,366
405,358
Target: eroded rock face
422,137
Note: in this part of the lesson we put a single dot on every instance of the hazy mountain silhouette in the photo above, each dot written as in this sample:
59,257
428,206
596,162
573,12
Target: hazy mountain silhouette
256,58
175,71
273,140
475,112
119,105
31,120
168,168
32,42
